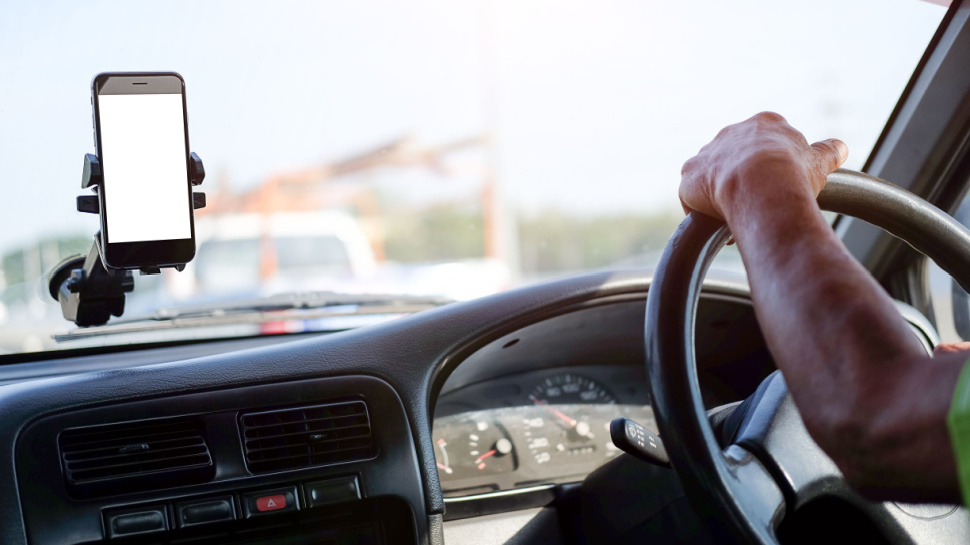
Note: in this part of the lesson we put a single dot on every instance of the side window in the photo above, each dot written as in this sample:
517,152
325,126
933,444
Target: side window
951,303
961,300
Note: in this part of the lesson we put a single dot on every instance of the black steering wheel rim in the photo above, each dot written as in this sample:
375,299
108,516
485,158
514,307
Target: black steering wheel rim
711,476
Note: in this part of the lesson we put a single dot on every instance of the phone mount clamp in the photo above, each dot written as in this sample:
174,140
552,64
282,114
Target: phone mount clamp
88,290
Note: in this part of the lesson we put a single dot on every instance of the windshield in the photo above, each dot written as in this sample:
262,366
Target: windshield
420,148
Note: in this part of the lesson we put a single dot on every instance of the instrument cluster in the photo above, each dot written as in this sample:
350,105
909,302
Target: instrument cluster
539,427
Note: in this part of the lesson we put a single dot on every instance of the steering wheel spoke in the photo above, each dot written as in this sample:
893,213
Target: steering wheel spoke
773,431
753,488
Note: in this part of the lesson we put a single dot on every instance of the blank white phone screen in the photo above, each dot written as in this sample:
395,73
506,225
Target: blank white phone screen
143,161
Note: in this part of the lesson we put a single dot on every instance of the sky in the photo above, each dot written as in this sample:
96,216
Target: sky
593,106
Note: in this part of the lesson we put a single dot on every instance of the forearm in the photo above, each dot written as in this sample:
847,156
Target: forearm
869,393
816,303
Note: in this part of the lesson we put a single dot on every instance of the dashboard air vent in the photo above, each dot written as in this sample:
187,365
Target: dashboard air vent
307,436
133,456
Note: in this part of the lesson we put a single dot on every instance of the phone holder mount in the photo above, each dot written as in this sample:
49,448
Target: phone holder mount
88,290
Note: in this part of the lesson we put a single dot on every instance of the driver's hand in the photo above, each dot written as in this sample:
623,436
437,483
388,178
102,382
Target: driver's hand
755,156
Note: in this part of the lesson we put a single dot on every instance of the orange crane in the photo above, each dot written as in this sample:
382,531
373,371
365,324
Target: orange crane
310,189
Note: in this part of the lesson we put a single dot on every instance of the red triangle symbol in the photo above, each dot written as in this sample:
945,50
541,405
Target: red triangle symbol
271,503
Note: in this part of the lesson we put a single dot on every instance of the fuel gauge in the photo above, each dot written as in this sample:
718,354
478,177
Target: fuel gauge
471,445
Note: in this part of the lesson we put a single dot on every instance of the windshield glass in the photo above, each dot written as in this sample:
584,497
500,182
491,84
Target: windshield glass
420,148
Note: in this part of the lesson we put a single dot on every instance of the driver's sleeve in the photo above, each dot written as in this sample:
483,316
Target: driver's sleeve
958,421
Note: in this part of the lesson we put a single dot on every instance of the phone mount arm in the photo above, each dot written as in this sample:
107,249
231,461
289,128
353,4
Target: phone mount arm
88,290
91,178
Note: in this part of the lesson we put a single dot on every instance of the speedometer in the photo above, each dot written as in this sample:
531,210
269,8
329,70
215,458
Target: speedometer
570,389
567,423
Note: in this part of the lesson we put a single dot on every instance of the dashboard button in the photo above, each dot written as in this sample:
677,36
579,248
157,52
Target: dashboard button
267,502
271,503
204,511
331,491
145,520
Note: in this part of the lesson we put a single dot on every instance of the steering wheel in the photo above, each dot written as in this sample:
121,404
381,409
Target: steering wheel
773,467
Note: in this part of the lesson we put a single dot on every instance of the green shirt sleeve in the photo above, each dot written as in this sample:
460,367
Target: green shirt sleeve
958,421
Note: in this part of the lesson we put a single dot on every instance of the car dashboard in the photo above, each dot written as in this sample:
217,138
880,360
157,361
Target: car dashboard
401,432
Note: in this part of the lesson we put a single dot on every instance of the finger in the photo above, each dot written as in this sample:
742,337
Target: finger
951,348
688,165
830,154
769,117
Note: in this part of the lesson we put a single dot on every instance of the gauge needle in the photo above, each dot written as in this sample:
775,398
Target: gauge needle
566,419
479,463
486,455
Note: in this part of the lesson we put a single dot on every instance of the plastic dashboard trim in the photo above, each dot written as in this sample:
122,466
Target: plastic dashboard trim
53,514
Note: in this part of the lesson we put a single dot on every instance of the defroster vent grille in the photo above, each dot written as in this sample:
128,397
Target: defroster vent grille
307,436
119,458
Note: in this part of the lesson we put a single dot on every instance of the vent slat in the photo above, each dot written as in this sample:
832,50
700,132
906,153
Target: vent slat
183,462
283,457
101,444
309,425
256,444
307,436
273,420
80,439
359,442
119,458
270,418
135,459
298,462
113,451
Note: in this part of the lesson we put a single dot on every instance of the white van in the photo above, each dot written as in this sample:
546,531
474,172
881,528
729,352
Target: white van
293,251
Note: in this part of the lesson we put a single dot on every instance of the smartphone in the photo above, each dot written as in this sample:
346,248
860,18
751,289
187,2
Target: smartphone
142,138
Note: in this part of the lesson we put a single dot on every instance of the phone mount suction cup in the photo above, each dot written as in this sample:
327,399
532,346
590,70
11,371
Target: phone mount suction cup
90,291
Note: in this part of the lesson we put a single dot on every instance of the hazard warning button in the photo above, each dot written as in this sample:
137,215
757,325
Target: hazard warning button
271,503
266,502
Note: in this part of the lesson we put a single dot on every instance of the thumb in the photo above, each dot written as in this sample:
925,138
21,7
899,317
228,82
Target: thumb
830,154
